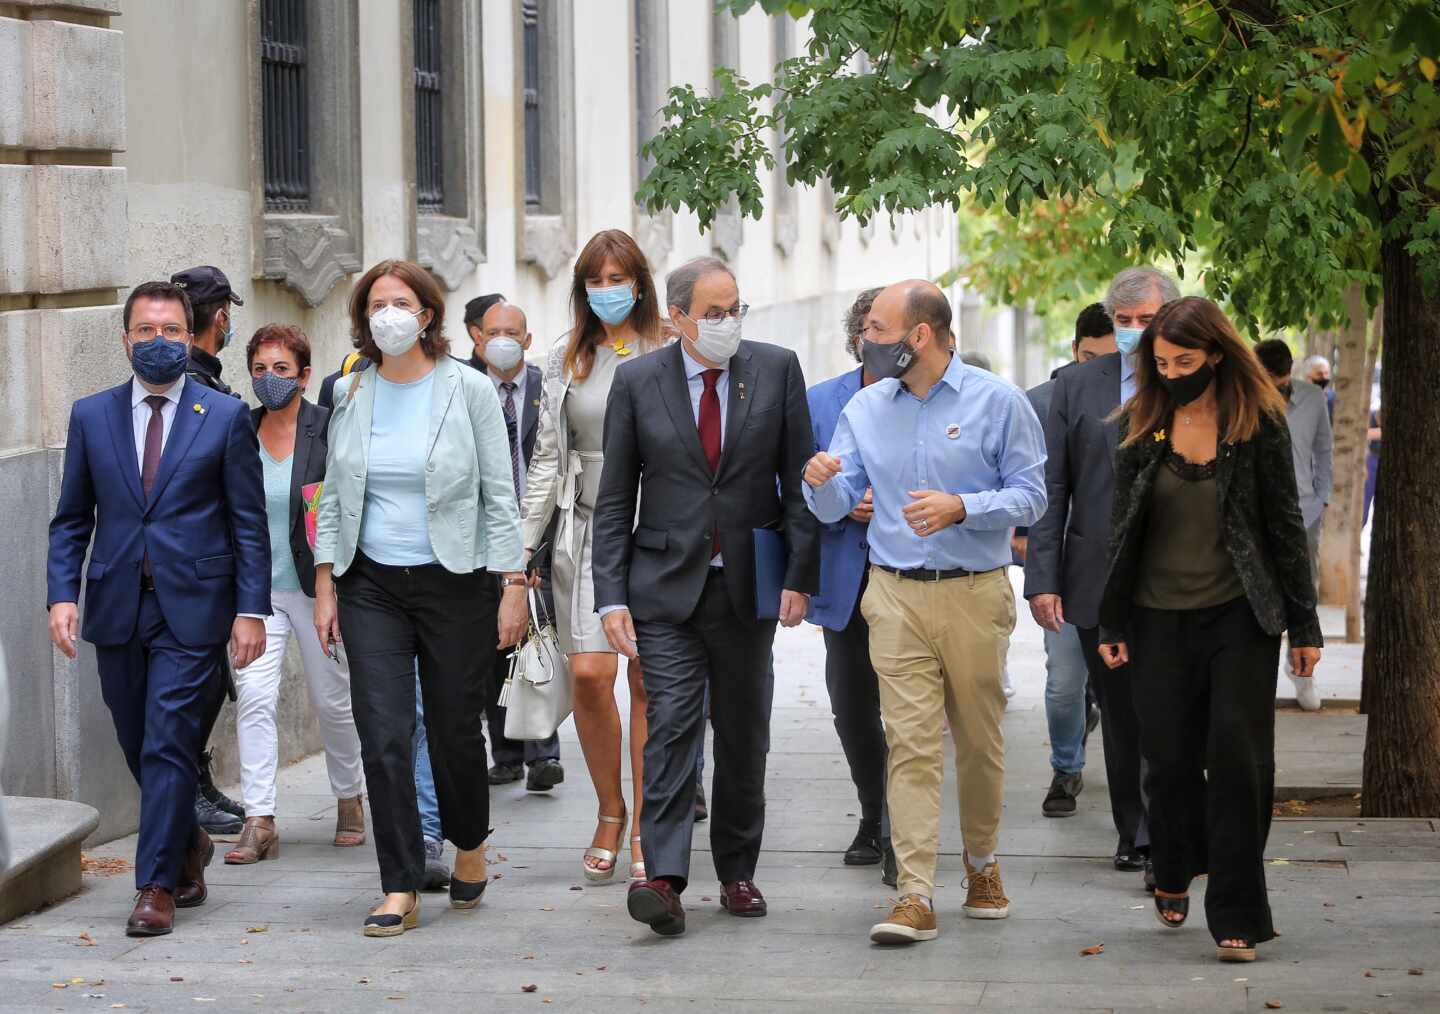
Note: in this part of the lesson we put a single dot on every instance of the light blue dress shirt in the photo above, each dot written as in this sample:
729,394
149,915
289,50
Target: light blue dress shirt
974,435
696,382
277,509
395,526
1127,377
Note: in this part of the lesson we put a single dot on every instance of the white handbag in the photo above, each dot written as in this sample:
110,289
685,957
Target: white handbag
536,696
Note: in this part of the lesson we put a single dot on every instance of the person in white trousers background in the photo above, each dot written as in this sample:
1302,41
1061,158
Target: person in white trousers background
292,435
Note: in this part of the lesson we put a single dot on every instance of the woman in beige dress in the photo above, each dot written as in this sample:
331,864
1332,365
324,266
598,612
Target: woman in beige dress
617,319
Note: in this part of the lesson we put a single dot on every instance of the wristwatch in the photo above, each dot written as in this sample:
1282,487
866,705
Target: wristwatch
512,582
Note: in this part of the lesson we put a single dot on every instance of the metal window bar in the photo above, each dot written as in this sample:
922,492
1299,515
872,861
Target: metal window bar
285,105
429,102
534,166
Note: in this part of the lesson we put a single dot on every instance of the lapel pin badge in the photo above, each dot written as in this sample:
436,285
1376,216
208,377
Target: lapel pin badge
741,385
199,408
1159,436
953,431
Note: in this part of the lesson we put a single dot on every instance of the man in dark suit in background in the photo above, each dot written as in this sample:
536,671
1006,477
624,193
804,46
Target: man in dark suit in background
1069,713
710,435
502,337
165,473
1068,553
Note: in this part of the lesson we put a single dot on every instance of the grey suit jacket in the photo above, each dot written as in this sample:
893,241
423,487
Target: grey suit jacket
657,564
1069,545
1314,448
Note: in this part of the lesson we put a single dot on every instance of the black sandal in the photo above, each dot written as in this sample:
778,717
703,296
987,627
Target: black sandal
1164,905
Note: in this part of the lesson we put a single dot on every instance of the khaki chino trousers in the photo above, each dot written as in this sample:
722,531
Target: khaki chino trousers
939,648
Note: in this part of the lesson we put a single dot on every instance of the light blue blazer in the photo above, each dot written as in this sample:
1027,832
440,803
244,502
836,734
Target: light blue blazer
474,519
844,551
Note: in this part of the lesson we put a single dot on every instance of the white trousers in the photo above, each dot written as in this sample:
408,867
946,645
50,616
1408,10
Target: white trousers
257,689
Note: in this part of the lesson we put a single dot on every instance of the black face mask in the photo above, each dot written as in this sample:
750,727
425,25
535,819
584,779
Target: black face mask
1286,390
1184,390
883,361
1321,382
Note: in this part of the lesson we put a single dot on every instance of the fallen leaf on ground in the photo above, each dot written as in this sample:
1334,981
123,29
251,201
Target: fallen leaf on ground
1090,952
1417,971
1369,974
79,980
59,985
577,888
177,978
86,940
528,957
1273,1005
115,1005
548,908
203,999
364,980
256,929
529,989
601,968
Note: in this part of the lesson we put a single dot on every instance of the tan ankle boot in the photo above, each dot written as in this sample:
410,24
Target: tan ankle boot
349,822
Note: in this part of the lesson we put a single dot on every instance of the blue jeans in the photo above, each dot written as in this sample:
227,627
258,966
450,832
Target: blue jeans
1066,708
424,779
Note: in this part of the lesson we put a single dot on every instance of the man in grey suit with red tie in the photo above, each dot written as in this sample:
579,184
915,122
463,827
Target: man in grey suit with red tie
165,474
709,434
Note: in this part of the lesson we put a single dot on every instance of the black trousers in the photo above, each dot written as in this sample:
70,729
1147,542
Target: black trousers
392,617
1120,731
730,654
1205,690
855,703
517,751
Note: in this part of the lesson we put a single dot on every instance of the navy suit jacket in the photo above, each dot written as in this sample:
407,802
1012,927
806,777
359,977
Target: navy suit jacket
204,525
844,551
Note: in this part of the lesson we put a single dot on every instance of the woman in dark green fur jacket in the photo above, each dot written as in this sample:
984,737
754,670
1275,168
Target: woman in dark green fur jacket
1208,568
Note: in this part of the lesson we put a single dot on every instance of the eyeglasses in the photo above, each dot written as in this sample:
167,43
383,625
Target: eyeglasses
738,311
147,332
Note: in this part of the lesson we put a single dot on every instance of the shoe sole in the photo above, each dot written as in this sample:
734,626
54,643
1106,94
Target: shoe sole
1059,813
147,932
890,933
543,784
505,781
862,862
752,914
649,908
410,921
986,913
1235,954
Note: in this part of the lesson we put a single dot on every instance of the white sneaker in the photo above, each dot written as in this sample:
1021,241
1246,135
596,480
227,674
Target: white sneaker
1305,693
1006,684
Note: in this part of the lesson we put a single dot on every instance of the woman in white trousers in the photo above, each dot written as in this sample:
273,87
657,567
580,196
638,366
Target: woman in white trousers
291,433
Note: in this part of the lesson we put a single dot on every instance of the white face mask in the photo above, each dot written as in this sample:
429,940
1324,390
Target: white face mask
503,353
717,342
395,330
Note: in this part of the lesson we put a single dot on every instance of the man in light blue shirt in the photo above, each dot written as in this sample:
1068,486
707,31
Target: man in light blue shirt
955,458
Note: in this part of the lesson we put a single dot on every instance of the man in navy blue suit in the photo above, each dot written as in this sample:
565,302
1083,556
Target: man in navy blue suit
165,473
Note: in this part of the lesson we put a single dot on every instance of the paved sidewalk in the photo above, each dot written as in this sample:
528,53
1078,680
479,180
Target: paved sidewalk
1351,898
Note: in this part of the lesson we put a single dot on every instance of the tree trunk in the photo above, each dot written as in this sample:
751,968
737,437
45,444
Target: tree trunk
1355,603
1339,574
1402,645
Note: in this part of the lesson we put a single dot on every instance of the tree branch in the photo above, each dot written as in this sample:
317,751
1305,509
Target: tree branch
1244,140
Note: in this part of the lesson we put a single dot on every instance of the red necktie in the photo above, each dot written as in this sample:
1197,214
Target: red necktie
710,436
150,464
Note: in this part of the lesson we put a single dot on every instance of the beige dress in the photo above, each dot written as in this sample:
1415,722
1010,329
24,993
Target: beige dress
564,476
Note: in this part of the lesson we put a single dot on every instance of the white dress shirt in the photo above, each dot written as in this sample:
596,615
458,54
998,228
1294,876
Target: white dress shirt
519,395
140,416
695,380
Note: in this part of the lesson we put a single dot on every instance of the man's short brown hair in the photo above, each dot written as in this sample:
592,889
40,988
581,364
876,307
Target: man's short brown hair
287,335
426,289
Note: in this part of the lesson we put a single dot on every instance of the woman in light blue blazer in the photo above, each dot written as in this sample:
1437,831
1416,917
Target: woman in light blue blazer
418,556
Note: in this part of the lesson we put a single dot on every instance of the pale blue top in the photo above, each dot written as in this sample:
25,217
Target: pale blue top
1127,377
395,526
974,435
277,509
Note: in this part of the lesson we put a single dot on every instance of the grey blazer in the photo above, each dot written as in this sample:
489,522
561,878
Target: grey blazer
1068,553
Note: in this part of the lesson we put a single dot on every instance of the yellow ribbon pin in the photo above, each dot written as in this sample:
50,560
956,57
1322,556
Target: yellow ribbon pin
1159,436
621,349
199,408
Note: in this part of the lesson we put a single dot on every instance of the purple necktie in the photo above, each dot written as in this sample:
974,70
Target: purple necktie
154,434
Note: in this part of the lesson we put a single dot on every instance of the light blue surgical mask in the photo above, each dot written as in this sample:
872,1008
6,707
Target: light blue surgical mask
1127,339
612,303
228,334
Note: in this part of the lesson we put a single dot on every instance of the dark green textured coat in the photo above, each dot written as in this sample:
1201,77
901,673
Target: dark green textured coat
1260,526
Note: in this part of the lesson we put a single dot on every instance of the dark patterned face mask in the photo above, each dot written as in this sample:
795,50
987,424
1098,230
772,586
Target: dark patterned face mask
273,391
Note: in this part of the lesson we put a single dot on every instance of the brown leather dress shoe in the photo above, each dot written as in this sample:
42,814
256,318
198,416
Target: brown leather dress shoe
655,903
154,913
191,890
742,898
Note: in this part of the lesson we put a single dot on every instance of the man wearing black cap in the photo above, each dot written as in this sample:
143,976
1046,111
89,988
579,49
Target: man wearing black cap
211,296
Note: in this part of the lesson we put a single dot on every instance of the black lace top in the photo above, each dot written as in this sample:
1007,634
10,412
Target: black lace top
1185,563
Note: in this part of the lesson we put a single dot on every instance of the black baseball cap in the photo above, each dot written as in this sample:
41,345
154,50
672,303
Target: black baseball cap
205,284
476,309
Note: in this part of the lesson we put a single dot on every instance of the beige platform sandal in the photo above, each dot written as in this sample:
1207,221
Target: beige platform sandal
637,866
595,874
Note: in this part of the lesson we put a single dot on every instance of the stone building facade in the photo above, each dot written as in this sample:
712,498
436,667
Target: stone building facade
485,138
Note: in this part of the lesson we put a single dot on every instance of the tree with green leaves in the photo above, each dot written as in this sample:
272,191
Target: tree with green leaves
1297,140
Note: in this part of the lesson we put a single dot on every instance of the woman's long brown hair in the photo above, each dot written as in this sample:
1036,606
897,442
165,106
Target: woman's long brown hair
1243,392
588,331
